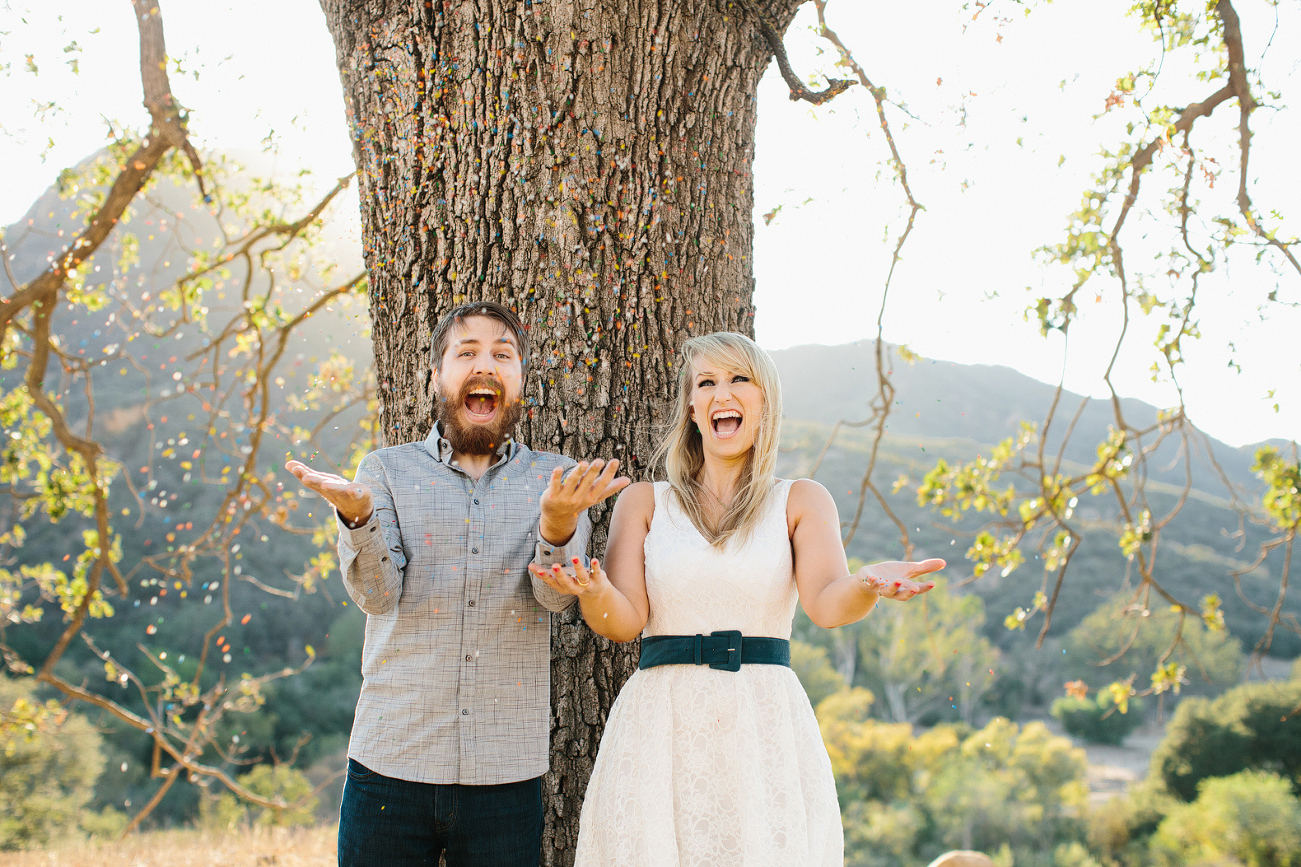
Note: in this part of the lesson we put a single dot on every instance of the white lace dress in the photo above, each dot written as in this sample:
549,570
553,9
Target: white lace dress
705,767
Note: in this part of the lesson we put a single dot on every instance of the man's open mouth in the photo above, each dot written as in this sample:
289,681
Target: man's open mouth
726,423
481,403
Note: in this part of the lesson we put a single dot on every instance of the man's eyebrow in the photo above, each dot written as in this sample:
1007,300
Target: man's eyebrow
505,338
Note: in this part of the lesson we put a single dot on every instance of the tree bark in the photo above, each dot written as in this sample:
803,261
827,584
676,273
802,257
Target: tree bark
588,164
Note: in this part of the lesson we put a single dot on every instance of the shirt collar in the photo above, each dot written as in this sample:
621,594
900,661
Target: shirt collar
441,450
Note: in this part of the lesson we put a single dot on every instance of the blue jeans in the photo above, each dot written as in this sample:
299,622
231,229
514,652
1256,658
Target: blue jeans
385,821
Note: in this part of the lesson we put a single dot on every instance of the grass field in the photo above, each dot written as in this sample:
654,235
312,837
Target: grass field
256,847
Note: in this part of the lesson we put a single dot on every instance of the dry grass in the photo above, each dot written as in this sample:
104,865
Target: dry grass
256,847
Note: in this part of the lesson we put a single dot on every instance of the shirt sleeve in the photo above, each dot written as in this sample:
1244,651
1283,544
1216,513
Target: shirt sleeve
370,556
546,554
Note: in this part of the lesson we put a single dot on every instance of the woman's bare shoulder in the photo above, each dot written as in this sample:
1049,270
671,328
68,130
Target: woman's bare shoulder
637,499
807,493
808,499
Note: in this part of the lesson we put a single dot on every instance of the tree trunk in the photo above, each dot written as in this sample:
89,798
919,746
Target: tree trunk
589,165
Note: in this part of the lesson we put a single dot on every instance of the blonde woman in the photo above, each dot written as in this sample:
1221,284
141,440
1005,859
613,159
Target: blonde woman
712,755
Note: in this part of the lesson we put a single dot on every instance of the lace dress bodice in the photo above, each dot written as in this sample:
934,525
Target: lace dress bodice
696,588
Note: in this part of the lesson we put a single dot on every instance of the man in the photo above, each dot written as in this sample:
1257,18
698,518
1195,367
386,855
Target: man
451,733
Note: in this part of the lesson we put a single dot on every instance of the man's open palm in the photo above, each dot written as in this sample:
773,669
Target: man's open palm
352,500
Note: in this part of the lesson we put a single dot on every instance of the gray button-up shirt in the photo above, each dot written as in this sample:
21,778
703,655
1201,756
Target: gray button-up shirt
457,660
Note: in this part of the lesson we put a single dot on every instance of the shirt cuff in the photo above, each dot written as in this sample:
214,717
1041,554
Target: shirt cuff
546,554
357,535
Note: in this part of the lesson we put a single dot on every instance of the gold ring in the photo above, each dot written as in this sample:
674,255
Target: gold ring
581,583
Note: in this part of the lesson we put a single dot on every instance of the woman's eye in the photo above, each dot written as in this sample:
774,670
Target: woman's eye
704,382
739,378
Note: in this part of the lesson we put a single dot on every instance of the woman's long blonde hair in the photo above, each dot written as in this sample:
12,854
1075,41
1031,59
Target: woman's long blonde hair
683,453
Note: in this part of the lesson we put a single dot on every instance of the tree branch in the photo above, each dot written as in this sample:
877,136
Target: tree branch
835,86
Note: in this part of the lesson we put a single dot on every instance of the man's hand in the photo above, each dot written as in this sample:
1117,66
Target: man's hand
893,579
352,500
568,495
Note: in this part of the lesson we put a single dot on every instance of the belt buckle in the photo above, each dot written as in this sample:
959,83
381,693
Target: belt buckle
733,637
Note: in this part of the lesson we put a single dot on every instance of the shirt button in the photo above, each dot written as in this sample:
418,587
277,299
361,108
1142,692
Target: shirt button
471,603
474,550
465,712
468,657
476,502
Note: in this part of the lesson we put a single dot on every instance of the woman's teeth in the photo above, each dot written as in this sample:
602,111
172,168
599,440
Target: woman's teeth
726,423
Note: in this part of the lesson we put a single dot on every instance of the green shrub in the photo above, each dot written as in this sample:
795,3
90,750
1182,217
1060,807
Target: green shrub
1251,817
1097,721
816,673
1253,726
47,775
267,781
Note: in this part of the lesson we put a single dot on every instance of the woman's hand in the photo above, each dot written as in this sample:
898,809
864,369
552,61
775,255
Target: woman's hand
579,581
895,579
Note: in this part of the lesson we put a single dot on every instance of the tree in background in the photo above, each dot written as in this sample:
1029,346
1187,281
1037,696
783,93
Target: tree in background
1119,642
152,352
275,783
906,798
1251,817
928,661
815,671
1255,726
1171,204
47,772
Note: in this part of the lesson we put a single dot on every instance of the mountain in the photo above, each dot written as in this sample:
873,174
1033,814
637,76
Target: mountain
975,402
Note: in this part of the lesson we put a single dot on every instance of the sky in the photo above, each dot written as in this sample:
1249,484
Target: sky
999,133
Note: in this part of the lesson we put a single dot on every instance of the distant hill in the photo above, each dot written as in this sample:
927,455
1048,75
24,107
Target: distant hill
976,402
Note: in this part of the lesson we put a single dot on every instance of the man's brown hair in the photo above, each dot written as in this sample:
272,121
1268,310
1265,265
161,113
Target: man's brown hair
443,331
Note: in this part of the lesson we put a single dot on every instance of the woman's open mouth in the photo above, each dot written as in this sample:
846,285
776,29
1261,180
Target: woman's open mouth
726,422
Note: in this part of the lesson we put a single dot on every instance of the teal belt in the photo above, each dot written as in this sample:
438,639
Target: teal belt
726,650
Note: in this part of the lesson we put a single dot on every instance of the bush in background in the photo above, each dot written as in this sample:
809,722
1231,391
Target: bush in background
1251,817
1097,721
47,775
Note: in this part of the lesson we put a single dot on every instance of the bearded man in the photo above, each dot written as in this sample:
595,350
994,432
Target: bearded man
450,737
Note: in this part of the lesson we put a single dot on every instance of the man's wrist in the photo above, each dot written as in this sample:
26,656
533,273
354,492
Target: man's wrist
355,524
556,535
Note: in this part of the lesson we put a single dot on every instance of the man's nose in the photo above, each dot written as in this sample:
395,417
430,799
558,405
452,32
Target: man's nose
484,363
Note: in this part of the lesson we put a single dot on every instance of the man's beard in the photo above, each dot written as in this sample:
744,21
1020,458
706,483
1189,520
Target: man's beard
467,438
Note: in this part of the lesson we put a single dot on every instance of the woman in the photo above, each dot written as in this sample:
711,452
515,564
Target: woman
712,755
